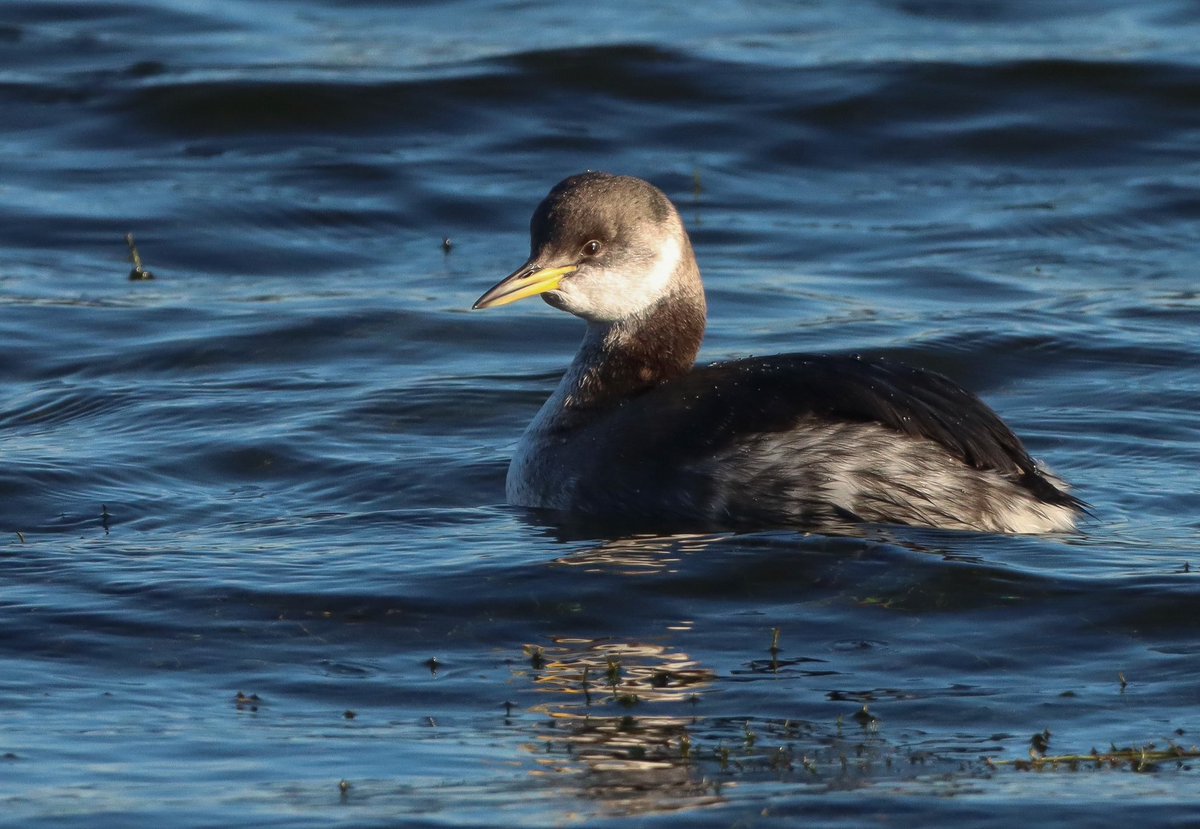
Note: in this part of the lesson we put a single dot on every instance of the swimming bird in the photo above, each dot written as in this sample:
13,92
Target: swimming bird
638,434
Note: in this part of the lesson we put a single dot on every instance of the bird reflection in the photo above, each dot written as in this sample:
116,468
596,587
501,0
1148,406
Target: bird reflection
638,554
601,725
622,730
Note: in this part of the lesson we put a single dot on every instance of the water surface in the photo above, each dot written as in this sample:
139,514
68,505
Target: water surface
276,470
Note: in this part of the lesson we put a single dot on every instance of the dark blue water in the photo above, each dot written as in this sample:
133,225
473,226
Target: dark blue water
277,469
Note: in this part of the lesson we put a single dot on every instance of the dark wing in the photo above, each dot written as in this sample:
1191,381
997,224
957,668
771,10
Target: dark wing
709,408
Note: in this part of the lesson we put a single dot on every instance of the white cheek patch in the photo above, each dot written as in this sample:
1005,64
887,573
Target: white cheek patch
658,281
608,296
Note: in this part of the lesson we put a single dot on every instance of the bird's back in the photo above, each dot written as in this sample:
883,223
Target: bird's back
804,438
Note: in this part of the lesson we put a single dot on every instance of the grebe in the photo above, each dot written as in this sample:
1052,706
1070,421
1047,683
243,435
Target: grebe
636,433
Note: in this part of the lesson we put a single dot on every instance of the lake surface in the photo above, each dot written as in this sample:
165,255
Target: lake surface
256,566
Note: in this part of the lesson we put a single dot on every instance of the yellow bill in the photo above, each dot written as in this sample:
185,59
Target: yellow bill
529,280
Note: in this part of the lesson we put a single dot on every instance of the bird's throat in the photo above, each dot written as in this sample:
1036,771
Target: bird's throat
619,360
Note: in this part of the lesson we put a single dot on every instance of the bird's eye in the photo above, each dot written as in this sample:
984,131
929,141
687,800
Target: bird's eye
591,248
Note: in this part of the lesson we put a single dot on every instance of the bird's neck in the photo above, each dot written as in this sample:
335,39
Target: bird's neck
619,360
